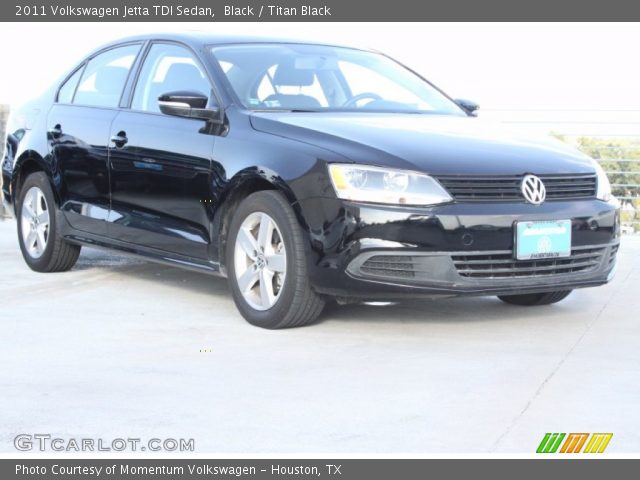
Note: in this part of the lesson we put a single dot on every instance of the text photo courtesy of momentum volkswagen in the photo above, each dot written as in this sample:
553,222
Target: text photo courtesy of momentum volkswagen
303,173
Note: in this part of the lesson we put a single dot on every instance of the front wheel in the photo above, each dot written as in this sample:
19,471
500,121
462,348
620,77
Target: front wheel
266,264
532,299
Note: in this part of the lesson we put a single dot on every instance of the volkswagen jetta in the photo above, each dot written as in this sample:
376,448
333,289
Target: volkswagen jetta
301,172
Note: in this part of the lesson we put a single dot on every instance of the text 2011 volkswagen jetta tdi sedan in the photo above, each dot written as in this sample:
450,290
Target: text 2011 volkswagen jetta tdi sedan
300,172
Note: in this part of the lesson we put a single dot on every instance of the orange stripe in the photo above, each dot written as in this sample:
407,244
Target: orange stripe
569,443
581,443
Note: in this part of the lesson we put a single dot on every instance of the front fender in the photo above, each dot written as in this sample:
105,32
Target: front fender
232,191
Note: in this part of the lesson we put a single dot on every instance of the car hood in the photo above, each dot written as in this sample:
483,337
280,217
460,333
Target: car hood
435,144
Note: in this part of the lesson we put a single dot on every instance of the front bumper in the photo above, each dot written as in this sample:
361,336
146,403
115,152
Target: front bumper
373,252
481,272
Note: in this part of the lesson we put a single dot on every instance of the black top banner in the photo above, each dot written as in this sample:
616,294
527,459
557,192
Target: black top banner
316,10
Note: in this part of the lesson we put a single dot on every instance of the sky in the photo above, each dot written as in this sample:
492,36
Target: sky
532,72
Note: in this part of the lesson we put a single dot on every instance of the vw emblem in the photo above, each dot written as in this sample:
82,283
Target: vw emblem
533,189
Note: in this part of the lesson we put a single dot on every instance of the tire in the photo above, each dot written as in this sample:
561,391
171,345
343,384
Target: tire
533,299
48,251
276,261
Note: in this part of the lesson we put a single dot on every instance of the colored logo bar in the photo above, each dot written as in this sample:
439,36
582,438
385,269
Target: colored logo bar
574,443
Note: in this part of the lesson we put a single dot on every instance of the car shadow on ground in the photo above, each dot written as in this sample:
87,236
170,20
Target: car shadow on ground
463,310
445,310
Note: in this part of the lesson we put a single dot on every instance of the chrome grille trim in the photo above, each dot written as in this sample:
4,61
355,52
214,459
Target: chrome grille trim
502,264
397,266
480,268
612,255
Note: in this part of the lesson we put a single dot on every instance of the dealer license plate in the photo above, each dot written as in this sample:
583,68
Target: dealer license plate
543,239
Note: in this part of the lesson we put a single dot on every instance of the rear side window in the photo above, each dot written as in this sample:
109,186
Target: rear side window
104,77
65,94
167,68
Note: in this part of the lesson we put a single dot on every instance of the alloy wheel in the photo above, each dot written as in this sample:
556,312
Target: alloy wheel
35,221
260,261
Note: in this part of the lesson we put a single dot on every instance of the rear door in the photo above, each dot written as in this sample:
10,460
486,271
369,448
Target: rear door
78,134
160,164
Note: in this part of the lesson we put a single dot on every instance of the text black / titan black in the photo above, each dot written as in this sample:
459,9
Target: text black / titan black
300,171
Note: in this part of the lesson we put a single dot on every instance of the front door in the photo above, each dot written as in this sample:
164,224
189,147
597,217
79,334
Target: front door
160,165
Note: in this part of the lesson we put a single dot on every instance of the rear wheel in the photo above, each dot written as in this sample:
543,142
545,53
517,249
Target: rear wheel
532,299
266,264
42,246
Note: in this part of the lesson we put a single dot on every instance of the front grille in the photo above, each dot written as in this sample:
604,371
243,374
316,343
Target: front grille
487,188
503,265
396,266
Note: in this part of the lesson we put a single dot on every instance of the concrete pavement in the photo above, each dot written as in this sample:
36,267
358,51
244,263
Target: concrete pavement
124,348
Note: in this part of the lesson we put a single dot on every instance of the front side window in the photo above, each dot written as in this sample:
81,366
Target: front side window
104,77
325,78
167,68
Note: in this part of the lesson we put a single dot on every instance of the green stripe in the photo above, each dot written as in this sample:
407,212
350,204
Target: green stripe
543,442
558,442
549,444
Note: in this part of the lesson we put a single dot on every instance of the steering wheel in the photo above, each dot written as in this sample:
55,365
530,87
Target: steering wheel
353,100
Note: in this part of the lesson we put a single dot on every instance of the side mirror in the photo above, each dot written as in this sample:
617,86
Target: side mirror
468,106
187,104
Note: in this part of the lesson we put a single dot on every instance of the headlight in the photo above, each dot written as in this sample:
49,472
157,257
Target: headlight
382,185
604,187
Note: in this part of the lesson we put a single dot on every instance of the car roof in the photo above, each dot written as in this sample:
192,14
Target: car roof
199,39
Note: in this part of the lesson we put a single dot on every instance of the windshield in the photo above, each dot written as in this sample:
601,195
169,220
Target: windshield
323,78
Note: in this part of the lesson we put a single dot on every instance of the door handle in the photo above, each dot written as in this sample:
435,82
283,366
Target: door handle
120,140
56,131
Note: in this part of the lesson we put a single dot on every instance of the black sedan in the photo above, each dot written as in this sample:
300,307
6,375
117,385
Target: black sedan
301,172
